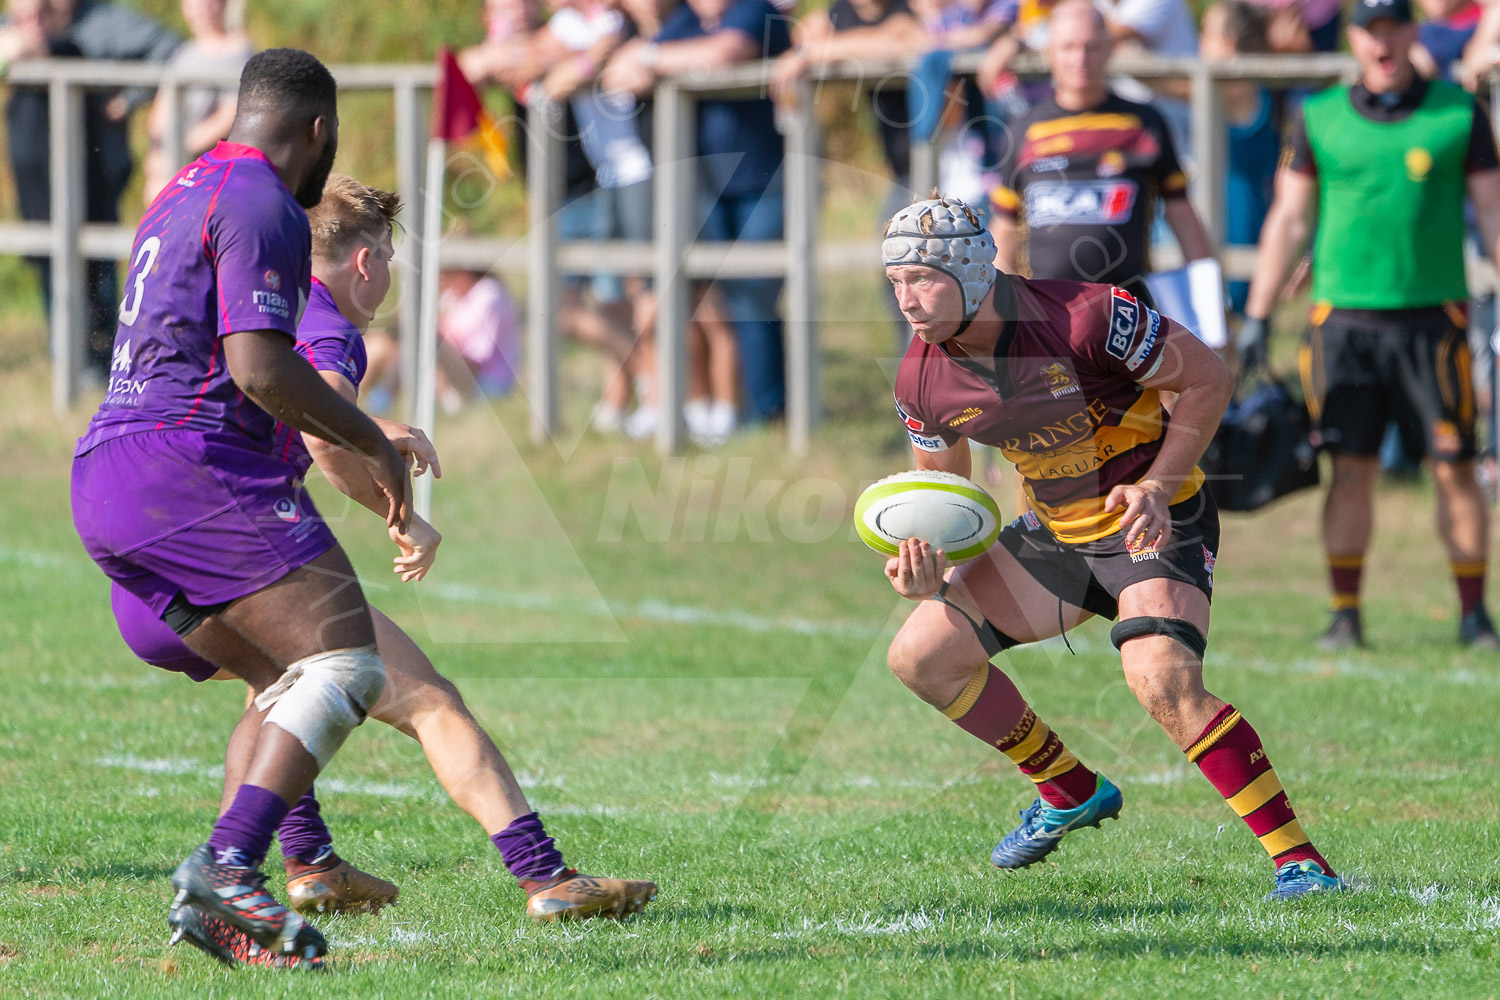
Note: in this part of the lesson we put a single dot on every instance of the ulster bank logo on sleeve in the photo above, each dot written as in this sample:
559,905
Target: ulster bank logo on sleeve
1079,203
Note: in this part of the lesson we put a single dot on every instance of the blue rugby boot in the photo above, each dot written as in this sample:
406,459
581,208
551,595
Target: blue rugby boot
1296,879
1043,827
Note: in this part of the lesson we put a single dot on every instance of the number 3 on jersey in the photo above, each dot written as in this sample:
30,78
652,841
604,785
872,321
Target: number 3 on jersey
145,257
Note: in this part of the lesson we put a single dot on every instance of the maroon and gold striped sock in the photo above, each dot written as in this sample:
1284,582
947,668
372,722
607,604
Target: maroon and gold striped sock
1344,572
1470,579
993,710
1230,755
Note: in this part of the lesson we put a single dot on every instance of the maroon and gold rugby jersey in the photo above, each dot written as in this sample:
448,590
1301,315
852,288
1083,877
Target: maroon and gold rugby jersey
1061,398
1086,183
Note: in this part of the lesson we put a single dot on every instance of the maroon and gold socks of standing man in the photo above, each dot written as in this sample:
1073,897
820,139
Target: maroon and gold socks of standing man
1230,755
991,708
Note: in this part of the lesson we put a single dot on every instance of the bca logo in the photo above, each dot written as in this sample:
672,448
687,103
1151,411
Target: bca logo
1124,316
286,509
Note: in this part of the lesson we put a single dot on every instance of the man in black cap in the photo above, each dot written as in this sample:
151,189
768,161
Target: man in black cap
1386,164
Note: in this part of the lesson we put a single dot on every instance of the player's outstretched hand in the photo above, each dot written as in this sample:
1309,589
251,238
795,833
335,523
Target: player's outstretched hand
1147,522
917,570
418,549
413,443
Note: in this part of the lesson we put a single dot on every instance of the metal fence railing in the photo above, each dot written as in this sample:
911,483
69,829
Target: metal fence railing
674,259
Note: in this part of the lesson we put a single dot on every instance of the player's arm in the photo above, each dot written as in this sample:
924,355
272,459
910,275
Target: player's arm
1484,191
1188,228
1482,167
1203,384
349,474
1282,238
266,367
956,459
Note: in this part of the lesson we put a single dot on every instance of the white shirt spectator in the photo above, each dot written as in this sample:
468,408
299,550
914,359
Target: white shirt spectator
1166,27
606,123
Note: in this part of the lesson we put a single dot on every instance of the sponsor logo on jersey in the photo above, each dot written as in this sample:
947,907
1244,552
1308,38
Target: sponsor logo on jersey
912,423
1058,381
1079,203
934,443
1111,164
1208,564
966,416
273,280
1153,327
120,362
1048,164
286,509
122,389
1031,521
1124,319
273,303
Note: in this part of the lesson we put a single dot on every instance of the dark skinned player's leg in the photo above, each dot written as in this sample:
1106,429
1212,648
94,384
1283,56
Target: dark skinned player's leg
314,630
316,608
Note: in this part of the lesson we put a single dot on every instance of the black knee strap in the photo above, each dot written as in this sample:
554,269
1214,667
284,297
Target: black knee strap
992,639
1173,628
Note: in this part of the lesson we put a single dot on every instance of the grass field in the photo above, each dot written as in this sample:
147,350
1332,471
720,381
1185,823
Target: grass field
694,688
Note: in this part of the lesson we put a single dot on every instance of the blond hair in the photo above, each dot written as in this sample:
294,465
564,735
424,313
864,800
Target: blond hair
350,216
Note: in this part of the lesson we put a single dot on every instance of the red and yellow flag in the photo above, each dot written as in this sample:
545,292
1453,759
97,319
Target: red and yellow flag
458,113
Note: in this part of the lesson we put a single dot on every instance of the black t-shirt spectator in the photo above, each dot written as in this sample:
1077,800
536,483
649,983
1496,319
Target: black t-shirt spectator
1086,183
888,100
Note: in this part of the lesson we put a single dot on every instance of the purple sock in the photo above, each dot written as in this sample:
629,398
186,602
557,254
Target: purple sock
528,851
304,836
243,833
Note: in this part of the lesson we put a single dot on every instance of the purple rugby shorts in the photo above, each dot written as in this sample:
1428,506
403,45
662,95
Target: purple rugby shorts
207,515
152,639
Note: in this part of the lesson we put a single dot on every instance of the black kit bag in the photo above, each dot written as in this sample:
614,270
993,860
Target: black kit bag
1263,450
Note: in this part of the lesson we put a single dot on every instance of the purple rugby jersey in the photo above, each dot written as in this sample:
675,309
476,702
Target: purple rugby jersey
330,343
224,248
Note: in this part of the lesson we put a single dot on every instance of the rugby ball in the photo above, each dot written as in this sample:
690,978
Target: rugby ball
946,511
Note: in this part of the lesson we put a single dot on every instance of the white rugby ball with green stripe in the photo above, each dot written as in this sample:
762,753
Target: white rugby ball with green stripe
944,510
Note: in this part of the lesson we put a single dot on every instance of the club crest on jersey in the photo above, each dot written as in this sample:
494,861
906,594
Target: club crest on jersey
1208,564
286,509
273,280
1136,546
1058,381
1111,164
912,423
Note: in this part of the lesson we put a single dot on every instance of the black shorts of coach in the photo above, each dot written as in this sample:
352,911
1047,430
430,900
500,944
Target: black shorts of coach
1091,575
1363,368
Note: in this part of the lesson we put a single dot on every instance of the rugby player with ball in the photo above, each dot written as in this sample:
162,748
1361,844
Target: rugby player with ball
1065,378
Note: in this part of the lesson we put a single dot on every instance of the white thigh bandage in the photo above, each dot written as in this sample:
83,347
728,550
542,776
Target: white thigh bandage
320,699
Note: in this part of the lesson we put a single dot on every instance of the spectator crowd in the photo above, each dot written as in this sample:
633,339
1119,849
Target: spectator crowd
593,65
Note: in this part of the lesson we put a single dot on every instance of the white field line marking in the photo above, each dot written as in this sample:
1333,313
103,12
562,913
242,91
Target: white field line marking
646,610
900,924
376,789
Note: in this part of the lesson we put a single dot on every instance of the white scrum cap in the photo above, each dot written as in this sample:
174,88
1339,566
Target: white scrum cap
946,234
